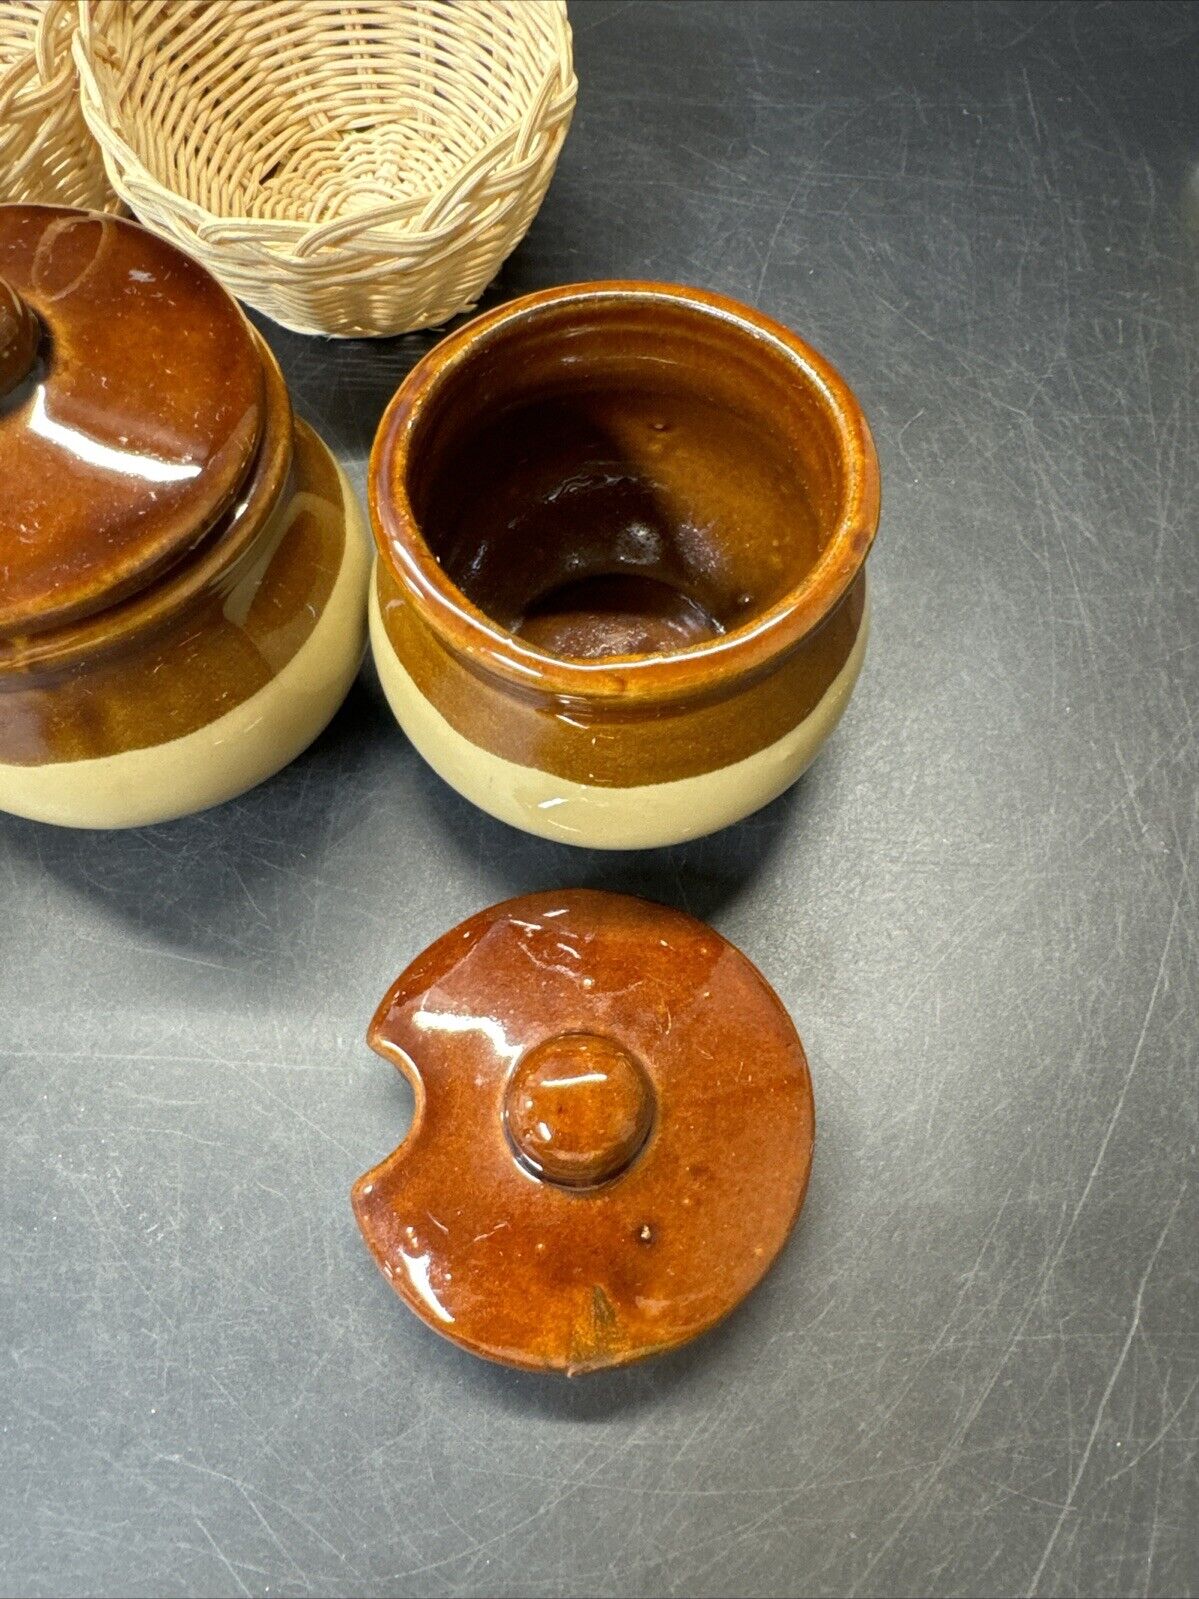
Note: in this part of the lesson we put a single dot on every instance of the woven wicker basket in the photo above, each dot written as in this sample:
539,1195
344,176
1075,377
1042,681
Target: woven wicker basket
46,152
358,167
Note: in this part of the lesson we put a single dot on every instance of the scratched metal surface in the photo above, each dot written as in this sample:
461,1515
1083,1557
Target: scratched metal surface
974,1370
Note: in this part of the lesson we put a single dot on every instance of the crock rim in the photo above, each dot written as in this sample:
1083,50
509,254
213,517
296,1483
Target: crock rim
745,651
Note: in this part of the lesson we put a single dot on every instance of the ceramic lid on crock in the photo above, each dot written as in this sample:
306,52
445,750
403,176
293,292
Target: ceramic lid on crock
612,1133
131,405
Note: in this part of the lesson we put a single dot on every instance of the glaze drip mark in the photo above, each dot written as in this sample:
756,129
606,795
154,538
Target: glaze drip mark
603,1320
594,1334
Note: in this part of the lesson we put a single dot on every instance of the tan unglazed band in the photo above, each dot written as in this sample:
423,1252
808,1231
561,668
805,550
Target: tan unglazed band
642,816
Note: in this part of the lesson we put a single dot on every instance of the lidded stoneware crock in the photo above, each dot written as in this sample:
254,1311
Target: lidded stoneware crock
612,1134
182,564
620,597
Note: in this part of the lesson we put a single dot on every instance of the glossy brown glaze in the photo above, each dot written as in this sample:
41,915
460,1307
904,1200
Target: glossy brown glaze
620,520
603,741
214,567
130,434
578,1109
19,335
612,1134
599,364
619,504
184,547
171,659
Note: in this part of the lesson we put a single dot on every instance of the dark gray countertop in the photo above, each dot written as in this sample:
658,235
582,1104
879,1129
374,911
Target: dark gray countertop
974,1369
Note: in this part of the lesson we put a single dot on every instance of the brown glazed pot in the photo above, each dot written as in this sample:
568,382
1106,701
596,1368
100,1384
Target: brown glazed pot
620,597
612,1133
183,566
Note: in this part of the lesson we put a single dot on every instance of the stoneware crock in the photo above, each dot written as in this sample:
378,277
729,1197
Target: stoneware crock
612,1133
183,565
620,597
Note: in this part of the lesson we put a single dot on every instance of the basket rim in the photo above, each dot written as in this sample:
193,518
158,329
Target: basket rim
295,242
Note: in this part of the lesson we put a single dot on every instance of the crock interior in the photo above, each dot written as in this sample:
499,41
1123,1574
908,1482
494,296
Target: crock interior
625,475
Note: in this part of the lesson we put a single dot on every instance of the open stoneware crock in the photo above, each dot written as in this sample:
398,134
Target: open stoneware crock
620,597
183,566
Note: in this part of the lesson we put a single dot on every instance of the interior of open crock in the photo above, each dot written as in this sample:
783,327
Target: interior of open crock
625,475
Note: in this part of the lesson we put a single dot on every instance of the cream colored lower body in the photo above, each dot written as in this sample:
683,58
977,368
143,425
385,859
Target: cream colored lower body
641,817
227,756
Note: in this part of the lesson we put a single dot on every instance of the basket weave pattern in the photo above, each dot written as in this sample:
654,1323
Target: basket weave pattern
47,154
346,166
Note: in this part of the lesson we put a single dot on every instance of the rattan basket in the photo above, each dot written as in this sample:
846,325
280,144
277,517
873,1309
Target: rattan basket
46,152
359,167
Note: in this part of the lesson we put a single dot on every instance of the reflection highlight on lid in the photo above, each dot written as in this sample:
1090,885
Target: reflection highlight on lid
417,1270
126,462
433,1021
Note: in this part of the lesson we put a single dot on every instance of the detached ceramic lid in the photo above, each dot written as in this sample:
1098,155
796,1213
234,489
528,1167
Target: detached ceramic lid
612,1136
131,406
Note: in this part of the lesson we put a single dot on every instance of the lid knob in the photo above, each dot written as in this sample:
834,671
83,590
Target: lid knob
19,335
577,1109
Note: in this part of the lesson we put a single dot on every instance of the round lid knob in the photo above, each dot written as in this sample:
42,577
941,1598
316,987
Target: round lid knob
144,416
19,334
578,1108
612,1136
